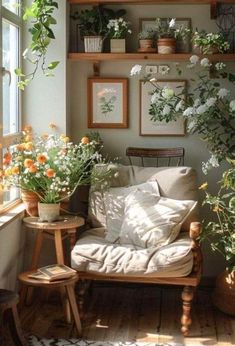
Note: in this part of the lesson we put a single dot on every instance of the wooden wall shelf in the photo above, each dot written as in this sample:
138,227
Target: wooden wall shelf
94,57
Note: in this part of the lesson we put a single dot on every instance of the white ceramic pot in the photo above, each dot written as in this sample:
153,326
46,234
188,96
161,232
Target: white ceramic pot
93,44
117,45
49,211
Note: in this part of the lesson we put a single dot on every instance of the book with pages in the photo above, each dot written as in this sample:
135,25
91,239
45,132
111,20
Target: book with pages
53,272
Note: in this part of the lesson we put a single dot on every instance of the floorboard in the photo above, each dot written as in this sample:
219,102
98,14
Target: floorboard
126,312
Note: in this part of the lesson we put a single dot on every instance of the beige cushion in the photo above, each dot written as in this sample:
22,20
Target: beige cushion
114,203
174,182
152,221
93,253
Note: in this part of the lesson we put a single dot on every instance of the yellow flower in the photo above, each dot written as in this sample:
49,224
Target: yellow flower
29,146
62,136
8,172
85,140
44,136
20,147
52,126
28,138
65,139
203,186
217,209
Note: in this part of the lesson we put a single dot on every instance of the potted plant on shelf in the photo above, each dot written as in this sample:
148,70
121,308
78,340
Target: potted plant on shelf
50,168
167,33
146,41
209,43
92,24
117,31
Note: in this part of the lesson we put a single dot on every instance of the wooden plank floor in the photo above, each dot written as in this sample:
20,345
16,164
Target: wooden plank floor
122,312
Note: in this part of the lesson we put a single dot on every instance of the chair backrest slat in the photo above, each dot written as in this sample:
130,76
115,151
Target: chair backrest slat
170,154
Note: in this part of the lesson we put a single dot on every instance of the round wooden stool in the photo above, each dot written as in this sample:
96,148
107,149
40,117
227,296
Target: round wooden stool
9,315
66,284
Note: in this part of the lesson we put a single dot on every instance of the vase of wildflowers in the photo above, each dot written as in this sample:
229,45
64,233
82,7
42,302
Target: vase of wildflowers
50,167
118,29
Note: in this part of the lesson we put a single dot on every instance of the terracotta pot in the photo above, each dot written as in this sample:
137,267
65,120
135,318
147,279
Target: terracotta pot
166,45
224,293
30,200
146,43
49,211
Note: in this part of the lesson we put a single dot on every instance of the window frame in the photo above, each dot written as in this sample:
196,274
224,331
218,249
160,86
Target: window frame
10,139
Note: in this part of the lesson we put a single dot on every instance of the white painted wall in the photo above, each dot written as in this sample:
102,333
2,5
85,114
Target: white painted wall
12,246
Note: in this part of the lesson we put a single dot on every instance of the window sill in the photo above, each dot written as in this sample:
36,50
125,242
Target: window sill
11,215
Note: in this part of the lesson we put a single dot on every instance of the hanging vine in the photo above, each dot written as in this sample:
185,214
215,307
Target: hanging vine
40,15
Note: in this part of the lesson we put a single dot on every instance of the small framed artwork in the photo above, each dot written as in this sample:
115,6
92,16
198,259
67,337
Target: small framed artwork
107,103
149,127
182,45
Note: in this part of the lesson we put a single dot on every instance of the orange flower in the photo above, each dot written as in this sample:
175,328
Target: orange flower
52,126
33,169
27,128
41,158
44,136
15,170
7,156
20,147
29,146
28,163
50,173
85,140
28,138
0,145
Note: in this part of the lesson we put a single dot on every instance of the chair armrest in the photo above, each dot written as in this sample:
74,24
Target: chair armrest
194,232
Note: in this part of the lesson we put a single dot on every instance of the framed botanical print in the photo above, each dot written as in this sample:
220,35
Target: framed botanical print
149,127
182,45
107,103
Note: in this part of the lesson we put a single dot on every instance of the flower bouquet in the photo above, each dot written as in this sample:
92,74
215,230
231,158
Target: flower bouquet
49,168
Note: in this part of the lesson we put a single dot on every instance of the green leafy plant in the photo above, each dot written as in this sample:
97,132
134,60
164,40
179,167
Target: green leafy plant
208,42
93,22
221,232
40,15
146,34
118,28
107,105
166,28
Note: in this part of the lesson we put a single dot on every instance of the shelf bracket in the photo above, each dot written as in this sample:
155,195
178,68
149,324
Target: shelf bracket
96,68
214,9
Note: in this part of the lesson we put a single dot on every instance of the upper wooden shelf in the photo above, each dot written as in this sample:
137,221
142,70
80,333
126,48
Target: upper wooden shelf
145,56
178,2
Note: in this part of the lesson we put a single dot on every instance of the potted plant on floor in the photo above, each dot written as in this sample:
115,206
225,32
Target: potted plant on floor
221,235
118,29
146,41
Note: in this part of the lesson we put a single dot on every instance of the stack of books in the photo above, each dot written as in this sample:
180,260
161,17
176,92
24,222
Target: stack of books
53,272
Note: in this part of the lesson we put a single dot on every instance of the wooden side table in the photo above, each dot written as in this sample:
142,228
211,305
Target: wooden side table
66,284
9,315
65,227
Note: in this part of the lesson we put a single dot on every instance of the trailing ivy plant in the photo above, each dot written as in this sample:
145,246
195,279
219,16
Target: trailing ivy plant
40,14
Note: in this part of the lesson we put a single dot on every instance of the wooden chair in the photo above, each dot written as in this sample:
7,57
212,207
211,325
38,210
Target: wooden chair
166,156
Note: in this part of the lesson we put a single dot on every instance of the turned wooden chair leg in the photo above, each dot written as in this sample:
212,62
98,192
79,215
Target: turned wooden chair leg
187,297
